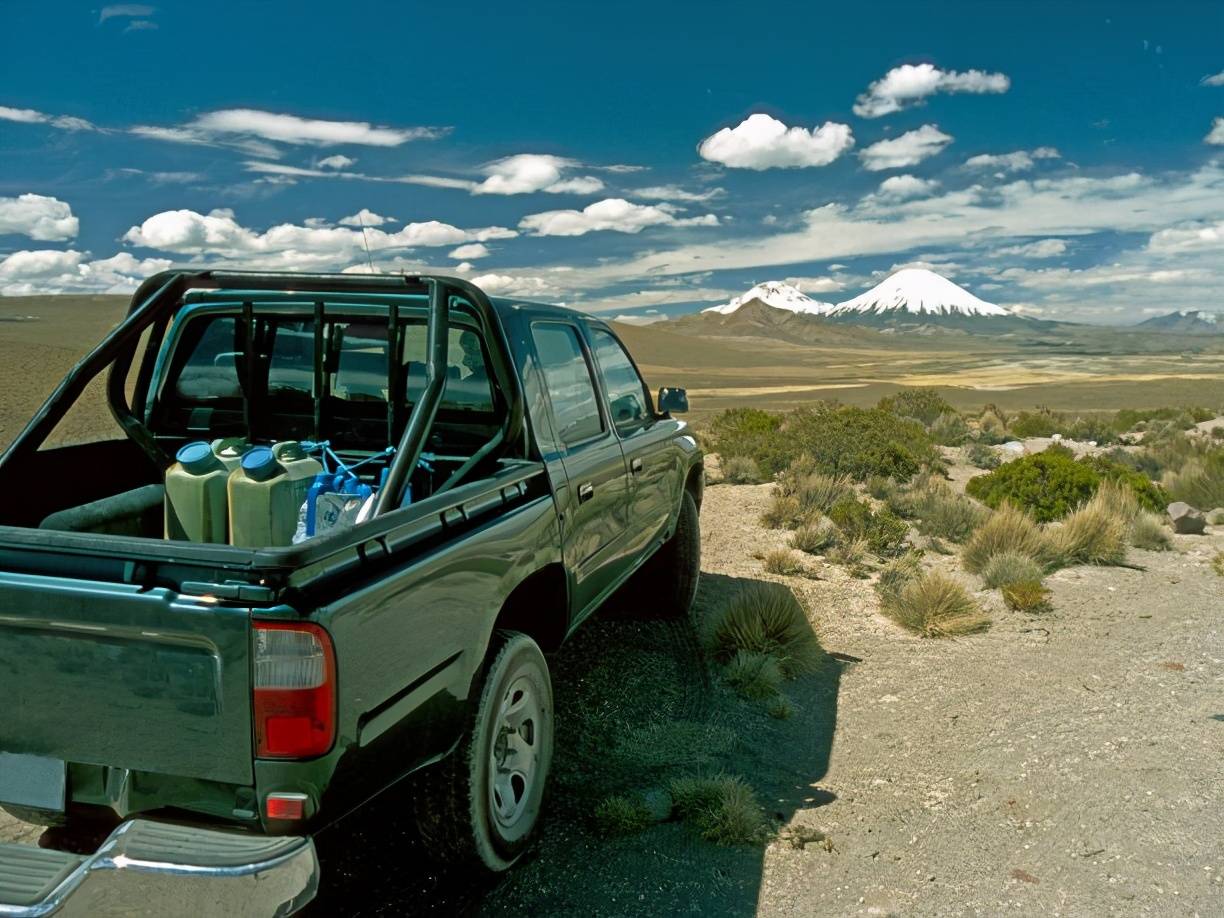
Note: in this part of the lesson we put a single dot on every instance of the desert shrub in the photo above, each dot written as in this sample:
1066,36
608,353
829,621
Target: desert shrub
1027,596
815,537
861,442
1149,532
750,433
943,513
766,618
780,708
754,675
1117,498
1009,567
1199,482
1217,433
935,605
925,405
622,814
896,574
722,808
1129,419
879,487
1093,427
949,429
782,561
1051,483
884,532
818,493
981,456
1093,534
1039,423
782,512
1217,563
1008,529
991,427
852,555
741,470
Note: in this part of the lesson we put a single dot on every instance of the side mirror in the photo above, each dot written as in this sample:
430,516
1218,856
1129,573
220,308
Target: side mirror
673,401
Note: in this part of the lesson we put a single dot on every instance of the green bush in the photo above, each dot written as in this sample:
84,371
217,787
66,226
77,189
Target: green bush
949,429
981,456
622,814
741,470
754,675
1199,482
1050,484
884,532
925,405
766,618
1128,419
722,808
943,513
750,433
1040,423
1007,530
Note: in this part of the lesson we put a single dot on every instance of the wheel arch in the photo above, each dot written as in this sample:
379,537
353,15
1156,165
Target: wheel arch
538,607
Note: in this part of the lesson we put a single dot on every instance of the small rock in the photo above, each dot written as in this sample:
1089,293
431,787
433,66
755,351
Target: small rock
1012,449
1185,519
1056,437
800,836
1216,517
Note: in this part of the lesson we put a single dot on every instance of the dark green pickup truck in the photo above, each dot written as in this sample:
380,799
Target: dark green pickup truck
186,714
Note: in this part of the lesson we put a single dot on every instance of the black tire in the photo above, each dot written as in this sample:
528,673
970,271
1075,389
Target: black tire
673,573
475,807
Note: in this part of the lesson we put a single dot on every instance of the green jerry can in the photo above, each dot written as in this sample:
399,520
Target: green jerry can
196,499
266,493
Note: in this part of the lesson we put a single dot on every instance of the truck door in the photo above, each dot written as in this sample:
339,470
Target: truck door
655,466
593,499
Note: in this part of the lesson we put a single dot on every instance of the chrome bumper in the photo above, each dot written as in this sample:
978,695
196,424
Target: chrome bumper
157,868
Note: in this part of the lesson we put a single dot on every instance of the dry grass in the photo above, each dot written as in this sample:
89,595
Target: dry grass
943,513
1217,563
1009,567
1007,530
851,554
897,574
622,814
783,561
935,605
783,512
1093,534
1027,596
1149,532
722,808
754,675
780,708
816,536
741,470
766,618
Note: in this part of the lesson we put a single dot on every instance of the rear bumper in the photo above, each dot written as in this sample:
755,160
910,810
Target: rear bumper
157,868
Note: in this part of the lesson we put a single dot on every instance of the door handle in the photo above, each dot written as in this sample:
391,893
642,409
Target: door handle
585,492
635,464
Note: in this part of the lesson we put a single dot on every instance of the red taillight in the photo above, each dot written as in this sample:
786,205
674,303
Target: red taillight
295,691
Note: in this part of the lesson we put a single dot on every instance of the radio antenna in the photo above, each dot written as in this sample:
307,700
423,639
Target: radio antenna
365,241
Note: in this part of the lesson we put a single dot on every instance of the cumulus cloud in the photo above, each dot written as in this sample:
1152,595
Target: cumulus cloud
1041,248
1197,237
814,284
614,214
911,84
909,149
293,129
125,11
1215,136
676,193
523,173
337,161
904,187
289,246
31,116
471,250
53,271
365,217
1016,161
38,217
763,142
513,285
1216,79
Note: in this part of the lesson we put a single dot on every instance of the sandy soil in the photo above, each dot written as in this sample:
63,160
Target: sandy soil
1068,764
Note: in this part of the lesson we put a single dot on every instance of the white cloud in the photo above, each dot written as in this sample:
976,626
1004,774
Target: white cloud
1215,136
336,161
196,137
293,129
27,265
30,116
615,214
676,193
125,11
763,142
910,84
471,250
909,149
1041,248
38,217
54,271
627,318
287,246
814,284
1193,238
511,285
1016,161
1216,79
904,187
366,217
523,173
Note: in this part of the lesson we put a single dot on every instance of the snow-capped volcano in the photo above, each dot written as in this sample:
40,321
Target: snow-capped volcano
775,294
919,292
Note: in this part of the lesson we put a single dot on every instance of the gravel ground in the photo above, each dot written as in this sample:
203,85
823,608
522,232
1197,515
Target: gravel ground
1069,764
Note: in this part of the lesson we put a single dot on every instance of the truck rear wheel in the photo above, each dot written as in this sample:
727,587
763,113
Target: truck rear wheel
673,573
482,803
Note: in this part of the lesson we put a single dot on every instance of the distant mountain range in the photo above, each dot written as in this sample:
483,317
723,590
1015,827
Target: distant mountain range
1186,322
776,294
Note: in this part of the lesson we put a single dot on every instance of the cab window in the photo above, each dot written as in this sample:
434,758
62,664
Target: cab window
568,378
627,395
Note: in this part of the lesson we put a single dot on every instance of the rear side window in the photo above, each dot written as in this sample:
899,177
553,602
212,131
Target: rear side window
568,377
627,397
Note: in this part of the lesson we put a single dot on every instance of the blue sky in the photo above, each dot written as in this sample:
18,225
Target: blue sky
1064,160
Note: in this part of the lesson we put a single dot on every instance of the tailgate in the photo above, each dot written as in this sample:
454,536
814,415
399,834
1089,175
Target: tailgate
120,675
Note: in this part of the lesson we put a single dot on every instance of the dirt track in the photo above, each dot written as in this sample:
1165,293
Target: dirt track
1063,765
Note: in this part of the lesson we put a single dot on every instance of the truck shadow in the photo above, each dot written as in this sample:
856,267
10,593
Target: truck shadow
636,705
